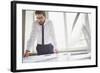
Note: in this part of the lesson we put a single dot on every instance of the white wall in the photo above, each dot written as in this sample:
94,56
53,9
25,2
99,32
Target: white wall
5,36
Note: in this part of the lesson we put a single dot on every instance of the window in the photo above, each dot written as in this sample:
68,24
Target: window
71,29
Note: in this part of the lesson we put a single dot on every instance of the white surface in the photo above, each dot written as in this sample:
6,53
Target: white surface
5,37
62,57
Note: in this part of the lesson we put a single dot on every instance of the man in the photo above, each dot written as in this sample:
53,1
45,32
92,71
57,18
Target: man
43,32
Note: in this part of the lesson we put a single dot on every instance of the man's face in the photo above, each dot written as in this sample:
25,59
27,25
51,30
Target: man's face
40,18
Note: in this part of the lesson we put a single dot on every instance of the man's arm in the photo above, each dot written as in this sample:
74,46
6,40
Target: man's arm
53,37
31,41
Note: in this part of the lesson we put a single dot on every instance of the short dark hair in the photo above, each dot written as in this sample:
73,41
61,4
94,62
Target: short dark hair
40,12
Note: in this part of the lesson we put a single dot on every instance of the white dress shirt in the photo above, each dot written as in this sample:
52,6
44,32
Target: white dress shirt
36,34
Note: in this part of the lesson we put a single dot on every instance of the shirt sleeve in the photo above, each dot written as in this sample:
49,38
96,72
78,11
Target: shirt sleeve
52,32
32,38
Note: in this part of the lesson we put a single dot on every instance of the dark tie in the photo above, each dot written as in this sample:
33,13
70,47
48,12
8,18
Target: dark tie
42,34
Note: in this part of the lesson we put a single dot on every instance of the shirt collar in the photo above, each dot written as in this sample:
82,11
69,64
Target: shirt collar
44,22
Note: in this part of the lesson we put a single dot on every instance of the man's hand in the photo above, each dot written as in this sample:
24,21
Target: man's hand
55,51
27,53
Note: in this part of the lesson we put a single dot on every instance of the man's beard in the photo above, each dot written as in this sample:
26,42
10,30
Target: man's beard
41,23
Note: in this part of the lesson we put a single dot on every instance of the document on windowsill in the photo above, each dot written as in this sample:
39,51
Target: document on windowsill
56,57
39,58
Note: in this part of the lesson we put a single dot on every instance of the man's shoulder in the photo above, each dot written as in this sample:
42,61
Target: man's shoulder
34,22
